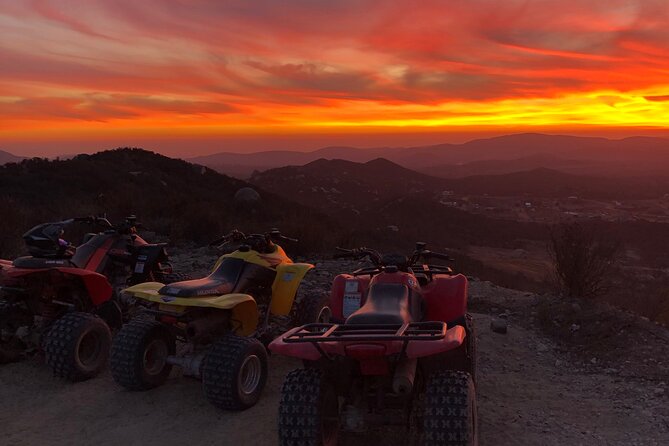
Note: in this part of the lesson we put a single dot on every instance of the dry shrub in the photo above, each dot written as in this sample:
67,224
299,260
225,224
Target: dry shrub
583,259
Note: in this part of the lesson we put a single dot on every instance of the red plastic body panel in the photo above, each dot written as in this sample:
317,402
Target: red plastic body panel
339,290
98,287
446,298
399,277
365,351
99,255
455,336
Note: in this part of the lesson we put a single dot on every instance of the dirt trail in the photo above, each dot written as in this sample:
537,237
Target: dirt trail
523,399
528,395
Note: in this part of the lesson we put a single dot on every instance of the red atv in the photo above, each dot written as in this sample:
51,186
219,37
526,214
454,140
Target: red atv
63,299
402,351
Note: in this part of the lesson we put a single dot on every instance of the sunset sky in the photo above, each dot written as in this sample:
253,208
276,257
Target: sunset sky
194,77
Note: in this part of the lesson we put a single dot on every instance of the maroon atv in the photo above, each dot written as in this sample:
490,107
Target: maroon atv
64,299
400,349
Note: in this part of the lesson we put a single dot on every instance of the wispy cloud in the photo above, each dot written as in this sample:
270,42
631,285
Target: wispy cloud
252,64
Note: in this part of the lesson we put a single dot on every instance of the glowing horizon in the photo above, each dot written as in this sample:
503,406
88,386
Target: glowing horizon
108,71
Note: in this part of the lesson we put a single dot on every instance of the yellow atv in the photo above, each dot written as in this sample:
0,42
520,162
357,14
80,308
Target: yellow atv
217,322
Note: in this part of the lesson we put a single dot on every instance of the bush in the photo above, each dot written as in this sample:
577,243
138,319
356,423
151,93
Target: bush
583,259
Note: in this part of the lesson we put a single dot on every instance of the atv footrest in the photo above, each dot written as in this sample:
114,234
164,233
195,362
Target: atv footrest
412,331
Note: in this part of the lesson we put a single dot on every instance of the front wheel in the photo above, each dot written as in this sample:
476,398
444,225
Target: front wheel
449,410
77,346
310,309
234,372
308,410
139,354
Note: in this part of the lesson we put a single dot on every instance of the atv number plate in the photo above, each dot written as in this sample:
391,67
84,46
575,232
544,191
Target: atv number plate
351,303
139,267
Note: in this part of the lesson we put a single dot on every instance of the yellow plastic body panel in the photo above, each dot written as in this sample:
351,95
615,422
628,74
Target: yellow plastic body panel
287,281
244,311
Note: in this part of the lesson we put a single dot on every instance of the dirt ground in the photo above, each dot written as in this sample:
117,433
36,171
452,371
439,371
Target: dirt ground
528,395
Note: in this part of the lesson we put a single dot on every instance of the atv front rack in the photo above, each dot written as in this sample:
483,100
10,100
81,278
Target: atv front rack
411,331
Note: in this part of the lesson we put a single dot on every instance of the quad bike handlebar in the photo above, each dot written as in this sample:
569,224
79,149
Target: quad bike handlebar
358,254
400,261
128,225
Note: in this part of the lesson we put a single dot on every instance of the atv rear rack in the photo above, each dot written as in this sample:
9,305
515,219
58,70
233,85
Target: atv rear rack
411,331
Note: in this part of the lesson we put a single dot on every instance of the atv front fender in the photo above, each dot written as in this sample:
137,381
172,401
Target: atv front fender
287,281
244,311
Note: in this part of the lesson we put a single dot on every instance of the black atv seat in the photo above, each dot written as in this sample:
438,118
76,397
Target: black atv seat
208,286
232,275
387,303
29,262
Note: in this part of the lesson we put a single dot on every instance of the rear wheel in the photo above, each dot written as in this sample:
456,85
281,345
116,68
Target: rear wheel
308,410
77,346
234,372
139,354
449,410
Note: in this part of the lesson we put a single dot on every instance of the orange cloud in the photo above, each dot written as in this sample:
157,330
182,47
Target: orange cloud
106,68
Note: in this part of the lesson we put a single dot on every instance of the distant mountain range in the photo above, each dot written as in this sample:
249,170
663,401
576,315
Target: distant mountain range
504,154
6,157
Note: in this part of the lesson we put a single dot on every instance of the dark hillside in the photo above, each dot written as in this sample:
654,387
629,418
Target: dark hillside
170,196
345,185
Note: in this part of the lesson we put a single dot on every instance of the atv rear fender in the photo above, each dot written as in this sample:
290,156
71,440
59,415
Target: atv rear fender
284,289
367,351
97,286
243,308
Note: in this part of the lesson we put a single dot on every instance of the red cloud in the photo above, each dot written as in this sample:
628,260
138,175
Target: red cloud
124,59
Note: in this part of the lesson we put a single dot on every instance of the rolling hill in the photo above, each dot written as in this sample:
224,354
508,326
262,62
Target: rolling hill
339,184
